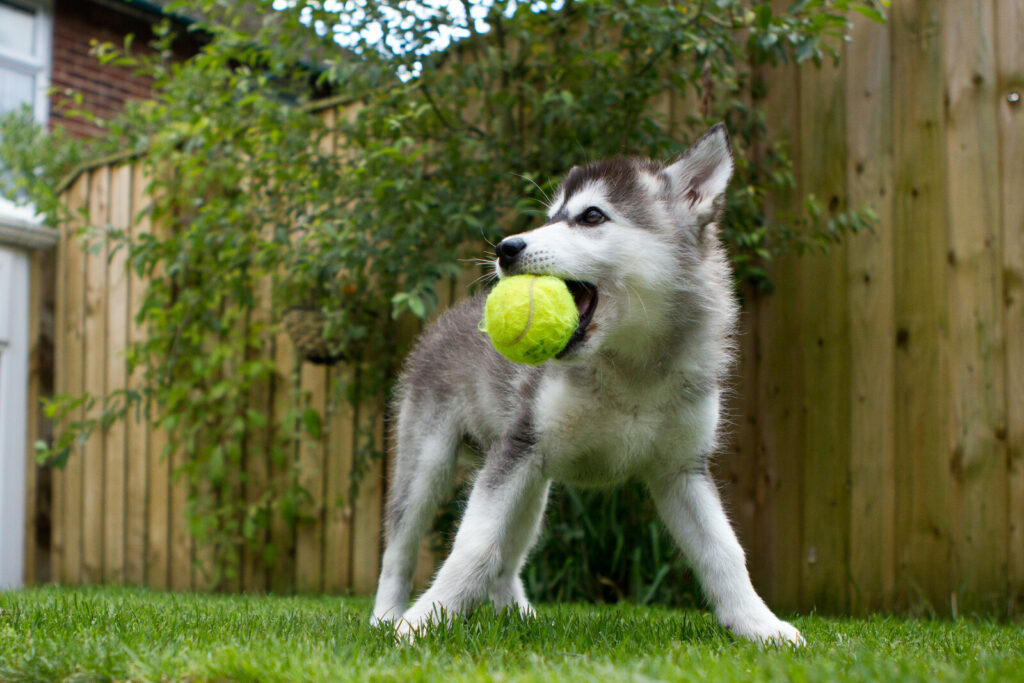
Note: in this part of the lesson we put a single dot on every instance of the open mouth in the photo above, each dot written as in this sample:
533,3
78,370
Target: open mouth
585,296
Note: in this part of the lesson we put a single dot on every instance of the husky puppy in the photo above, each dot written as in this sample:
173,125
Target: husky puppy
635,394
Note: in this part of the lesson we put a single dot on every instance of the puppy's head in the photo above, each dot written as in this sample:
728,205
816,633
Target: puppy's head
629,236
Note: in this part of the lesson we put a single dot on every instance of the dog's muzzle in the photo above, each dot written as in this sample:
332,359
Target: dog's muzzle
509,249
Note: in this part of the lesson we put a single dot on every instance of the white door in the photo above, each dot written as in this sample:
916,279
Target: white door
14,281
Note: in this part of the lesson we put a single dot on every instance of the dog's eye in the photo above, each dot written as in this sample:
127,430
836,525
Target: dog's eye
592,216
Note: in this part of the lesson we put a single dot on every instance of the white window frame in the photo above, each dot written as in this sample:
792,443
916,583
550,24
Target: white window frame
39,65
20,230
14,277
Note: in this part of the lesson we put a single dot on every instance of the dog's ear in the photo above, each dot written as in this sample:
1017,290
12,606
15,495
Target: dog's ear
699,177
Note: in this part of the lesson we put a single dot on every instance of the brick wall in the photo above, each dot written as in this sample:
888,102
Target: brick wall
76,23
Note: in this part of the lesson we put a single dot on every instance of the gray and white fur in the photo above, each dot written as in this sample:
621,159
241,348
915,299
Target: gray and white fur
636,394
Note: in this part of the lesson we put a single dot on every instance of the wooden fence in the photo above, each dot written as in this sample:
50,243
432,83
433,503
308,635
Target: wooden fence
119,513
880,455
878,458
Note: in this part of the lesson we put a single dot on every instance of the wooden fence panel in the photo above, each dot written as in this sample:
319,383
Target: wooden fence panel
257,457
924,498
58,481
929,316
158,511
775,552
309,558
158,508
338,511
180,544
976,349
824,342
1009,29
881,449
93,457
180,557
115,445
71,366
33,423
367,514
869,272
138,431
282,533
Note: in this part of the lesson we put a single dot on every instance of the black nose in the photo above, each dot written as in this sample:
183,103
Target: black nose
508,249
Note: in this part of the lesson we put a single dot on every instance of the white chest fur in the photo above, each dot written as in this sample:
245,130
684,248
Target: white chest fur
591,434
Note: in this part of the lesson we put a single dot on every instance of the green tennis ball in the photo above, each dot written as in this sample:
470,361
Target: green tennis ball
530,318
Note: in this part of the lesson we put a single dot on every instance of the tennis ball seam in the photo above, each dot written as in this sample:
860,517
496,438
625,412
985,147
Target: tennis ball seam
529,315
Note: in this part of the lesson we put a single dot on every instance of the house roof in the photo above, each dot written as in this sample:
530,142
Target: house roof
21,226
154,10
148,10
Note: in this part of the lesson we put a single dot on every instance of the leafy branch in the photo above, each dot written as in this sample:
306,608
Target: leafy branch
253,189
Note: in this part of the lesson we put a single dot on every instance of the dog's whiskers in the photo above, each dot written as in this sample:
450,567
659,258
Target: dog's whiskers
477,260
547,199
629,298
485,278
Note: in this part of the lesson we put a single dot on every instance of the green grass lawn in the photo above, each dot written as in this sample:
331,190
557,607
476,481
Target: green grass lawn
119,633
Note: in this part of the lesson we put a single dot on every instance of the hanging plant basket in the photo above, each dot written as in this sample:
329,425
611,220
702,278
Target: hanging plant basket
305,326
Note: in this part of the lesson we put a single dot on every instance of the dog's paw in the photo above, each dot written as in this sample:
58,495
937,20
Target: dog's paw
768,630
521,608
525,609
417,620
406,631
384,618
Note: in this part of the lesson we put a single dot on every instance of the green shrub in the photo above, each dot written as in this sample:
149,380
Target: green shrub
444,151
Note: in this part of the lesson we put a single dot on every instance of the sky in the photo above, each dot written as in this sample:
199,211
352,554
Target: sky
458,29
478,11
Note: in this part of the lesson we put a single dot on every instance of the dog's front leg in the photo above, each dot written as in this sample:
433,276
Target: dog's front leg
692,510
497,528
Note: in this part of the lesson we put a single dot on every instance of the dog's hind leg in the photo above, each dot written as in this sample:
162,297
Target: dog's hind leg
423,477
692,510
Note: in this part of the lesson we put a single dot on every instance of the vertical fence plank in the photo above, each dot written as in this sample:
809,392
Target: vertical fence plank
158,512
1009,30
181,542
338,505
311,541
257,458
777,559
116,335
366,536
309,532
924,496
95,379
35,307
734,470
204,571
137,424
872,337
282,532
73,364
60,356
158,508
824,341
976,348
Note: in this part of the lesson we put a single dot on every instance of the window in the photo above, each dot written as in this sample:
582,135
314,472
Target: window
26,28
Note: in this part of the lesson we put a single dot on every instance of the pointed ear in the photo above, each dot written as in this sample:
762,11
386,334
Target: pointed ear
699,177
